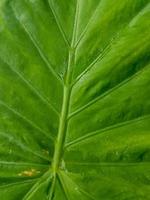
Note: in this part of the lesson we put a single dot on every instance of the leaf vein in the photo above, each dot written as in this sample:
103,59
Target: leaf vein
128,79
32,124
102,131
39,50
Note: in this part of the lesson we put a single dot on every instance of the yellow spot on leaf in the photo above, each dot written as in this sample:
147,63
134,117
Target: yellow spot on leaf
29,173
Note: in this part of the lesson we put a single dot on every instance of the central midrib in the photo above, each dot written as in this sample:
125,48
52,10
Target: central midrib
62,130
59,145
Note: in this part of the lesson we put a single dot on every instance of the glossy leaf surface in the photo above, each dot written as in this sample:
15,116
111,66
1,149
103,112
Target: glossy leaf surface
74,99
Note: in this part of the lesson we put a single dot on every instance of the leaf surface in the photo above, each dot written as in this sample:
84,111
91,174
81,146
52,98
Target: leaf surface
74,100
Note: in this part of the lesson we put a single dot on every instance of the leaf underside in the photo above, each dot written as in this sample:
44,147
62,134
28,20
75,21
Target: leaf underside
74,100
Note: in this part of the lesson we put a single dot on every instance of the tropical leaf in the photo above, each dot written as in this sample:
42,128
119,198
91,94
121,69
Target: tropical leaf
74,100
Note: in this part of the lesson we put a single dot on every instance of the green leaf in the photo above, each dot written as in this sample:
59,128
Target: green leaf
74,100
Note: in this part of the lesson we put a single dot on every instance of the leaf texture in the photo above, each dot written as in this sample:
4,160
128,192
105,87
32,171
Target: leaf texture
74,100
